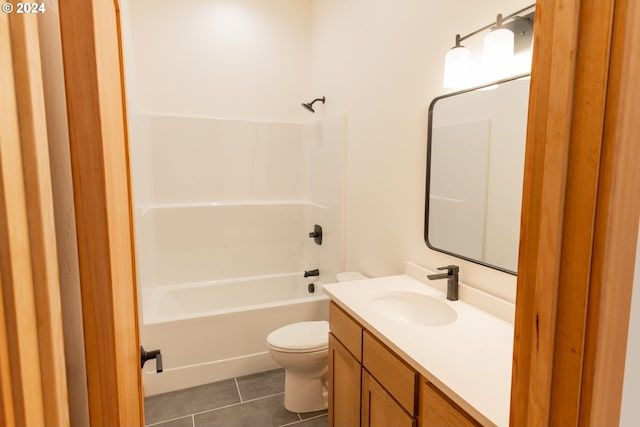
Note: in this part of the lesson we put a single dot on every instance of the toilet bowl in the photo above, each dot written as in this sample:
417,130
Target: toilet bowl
302,350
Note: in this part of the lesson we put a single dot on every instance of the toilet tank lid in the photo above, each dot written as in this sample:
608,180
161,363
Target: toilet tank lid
348,276
310,335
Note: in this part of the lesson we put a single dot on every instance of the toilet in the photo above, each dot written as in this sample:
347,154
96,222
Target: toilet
302,350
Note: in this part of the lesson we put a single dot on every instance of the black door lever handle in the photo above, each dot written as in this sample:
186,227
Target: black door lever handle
148,355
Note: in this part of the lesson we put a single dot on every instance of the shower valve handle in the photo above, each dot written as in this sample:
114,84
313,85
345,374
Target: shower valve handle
316,234
148,355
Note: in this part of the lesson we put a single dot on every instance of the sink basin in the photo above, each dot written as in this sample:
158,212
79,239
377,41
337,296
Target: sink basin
413,308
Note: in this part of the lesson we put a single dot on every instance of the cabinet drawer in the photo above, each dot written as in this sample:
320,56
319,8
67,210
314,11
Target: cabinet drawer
394,374
347,330
438,410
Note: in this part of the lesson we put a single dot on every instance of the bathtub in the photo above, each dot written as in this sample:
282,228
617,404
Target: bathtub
210,331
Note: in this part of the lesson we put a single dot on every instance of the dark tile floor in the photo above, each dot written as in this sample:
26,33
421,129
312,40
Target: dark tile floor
252,401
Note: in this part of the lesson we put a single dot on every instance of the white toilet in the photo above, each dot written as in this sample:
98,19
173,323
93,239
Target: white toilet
302,350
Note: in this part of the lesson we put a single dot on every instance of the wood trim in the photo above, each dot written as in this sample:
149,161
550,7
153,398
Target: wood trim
7,413
616,226
38,190
579,220
547,150
33,370
21,404
587,127
99,163
64,212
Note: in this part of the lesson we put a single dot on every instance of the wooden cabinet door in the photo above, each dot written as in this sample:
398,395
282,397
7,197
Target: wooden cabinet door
379,409
436,410
344,386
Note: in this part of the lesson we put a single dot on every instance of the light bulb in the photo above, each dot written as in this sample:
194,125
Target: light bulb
456,68
498,53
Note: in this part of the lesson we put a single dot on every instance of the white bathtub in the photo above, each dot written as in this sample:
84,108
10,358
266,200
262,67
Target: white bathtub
216,330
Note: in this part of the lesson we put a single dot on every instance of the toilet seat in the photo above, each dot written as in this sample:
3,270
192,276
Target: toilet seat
301,337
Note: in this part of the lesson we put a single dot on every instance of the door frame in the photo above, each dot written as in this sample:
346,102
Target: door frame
580,214
93,71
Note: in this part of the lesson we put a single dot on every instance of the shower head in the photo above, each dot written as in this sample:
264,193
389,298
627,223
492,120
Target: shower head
309,106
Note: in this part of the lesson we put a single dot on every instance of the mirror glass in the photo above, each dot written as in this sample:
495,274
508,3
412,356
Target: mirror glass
475,163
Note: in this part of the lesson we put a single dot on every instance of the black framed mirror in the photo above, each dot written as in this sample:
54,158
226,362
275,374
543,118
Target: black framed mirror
475,164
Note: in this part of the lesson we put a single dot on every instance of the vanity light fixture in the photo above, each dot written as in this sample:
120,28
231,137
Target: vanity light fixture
456,66
508,35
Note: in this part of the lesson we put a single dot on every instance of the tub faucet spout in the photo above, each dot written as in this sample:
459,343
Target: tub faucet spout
308,273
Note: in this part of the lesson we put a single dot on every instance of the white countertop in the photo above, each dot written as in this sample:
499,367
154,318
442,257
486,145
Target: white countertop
469,360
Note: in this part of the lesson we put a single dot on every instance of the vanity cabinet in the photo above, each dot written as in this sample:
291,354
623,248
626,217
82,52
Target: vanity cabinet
371,386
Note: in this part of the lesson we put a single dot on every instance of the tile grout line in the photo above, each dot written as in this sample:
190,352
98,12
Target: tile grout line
238,388
236,404
301,420
169,420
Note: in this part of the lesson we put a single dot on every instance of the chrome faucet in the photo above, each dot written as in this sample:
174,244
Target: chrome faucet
452,280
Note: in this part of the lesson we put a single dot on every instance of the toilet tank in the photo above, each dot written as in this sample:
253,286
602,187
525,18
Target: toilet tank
348,276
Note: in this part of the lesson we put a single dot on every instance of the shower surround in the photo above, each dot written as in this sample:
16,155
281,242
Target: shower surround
223,212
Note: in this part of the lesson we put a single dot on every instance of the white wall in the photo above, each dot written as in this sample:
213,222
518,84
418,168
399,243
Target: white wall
382,62
242,59
630,413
